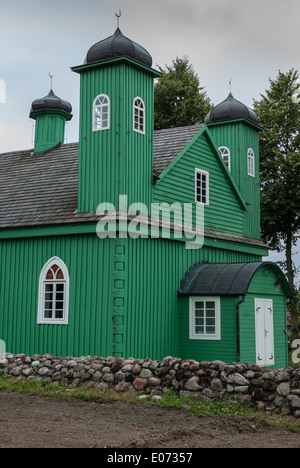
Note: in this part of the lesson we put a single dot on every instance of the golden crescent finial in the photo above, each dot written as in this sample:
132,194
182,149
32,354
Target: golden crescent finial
118,16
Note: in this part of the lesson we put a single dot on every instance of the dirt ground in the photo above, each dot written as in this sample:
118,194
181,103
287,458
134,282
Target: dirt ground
31,422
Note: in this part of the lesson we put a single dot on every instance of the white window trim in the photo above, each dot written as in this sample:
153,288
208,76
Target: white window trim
251,156
144,115
229,156
200,171
192,334
41,301
95,129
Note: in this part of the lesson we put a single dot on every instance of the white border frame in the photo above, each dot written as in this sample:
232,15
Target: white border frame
200,171
252,157
192,334
229,156
41,300
108,118
134,107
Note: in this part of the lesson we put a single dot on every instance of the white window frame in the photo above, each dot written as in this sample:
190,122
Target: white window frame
99,108
199,197
251,162
139,112
42,293
193,335
225,152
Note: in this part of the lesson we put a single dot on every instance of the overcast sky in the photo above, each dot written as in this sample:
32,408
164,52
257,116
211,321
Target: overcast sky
247,42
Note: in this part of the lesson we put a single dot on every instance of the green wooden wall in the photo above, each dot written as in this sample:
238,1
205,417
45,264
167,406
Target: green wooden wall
262,287
118,160
177,184
239,136
123,294
205,350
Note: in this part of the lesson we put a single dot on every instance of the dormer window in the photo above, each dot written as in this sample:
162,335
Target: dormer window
101,113
251,163
225,153
139,115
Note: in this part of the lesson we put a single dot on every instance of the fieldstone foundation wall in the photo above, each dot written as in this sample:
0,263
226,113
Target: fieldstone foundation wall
276,390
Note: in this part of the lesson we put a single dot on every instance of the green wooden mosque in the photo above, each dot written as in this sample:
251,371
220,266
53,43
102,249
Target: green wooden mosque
79,280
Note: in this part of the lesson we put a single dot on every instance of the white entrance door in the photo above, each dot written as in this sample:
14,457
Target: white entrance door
264,332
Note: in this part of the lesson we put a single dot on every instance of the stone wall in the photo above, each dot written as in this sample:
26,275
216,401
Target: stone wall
276,390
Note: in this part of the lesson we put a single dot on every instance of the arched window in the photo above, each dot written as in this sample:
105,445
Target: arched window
53,307
139,115
251,163
101,113
225,153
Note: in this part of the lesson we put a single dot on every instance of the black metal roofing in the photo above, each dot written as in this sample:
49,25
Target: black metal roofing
231,109
51,102
223,279
116,46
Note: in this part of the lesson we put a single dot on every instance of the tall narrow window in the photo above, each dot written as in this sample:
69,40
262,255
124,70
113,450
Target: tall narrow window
54,293
139,115
251,163
202,187
225,153
101,113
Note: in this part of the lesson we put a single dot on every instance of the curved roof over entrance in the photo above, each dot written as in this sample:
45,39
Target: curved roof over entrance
225,279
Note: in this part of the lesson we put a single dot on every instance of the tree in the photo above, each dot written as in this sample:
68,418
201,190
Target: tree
179,99
279,113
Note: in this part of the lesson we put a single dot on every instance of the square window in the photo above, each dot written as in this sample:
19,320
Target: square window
205,319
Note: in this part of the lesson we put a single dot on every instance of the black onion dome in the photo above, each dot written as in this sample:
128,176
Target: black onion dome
51,102
231,109
118,46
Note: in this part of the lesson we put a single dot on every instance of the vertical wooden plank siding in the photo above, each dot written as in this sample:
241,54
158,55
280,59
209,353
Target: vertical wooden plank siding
262,287
118,160
239,137
90,326
155,269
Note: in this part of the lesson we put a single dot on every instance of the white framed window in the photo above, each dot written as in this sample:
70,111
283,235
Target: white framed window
139,115
101,113
225,153
251,163
205,318
201,186
53,305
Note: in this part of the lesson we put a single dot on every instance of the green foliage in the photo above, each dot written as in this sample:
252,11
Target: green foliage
179,99
279,114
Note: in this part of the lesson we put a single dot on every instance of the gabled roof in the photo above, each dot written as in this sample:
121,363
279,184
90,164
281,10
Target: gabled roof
225,279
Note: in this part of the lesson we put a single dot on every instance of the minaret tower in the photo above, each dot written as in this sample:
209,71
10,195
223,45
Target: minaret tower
116,123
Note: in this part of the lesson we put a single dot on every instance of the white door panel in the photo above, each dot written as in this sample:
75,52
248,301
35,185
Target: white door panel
264,332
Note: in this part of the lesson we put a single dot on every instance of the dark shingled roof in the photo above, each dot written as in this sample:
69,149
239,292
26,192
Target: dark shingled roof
169,142
116,46
42,190
224,279
231,109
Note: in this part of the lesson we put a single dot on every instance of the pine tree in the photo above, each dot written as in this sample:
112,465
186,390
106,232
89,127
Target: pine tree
179,99
279,113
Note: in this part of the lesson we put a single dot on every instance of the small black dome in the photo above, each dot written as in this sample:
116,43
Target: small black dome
231,109
51,102
118,46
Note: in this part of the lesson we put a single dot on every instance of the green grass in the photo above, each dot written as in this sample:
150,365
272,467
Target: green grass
193,406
